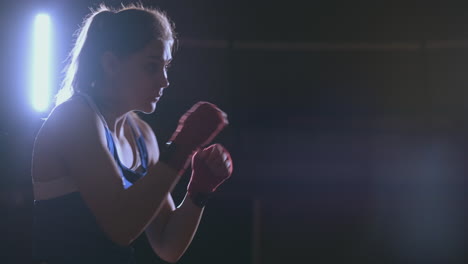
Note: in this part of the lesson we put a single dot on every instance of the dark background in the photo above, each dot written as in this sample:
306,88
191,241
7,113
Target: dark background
347,126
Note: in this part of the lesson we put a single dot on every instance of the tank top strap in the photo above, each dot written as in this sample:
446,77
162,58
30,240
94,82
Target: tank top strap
93,105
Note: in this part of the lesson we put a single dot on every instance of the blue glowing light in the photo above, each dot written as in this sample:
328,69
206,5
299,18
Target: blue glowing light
41,62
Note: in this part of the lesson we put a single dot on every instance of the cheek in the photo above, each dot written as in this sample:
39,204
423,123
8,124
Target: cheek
135,81
126,78
141,78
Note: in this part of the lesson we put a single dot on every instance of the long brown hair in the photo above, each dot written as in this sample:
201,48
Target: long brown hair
121,31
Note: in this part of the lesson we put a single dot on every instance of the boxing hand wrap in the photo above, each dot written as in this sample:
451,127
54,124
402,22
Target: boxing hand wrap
199,125
210,168
196,128
175,157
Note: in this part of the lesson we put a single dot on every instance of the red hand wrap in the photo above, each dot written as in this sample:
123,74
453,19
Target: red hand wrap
210,168
196,128
199,125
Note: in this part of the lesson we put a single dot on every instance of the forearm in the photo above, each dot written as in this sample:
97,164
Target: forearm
180,229
138,205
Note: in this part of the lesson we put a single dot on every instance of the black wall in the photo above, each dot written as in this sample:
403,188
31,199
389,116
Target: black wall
347,126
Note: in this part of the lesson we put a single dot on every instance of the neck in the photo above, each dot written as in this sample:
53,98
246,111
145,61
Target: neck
113,111
114,116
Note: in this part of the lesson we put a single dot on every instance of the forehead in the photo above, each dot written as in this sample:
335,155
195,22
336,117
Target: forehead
158,49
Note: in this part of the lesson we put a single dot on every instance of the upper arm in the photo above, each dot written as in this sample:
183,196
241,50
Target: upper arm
81,142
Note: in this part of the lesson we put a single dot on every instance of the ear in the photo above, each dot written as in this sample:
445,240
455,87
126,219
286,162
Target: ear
110,63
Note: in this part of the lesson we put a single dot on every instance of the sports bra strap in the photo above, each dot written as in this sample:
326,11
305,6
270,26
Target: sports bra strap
93,105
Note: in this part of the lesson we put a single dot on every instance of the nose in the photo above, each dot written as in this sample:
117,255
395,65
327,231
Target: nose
165,83
163,80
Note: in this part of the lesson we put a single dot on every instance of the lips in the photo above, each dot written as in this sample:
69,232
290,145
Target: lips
157,97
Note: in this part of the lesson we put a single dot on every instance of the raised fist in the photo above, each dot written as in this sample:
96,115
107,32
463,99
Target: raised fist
198,126
210,168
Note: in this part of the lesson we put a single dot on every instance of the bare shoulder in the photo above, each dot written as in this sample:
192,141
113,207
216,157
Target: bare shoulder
66,125
149,137
68,119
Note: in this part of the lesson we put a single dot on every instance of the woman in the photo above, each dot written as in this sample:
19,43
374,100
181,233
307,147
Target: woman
98,177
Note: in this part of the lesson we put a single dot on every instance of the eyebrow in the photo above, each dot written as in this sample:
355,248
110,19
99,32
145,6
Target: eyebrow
159,58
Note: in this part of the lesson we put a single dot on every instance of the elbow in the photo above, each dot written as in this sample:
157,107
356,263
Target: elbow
168,255
116,231
170,258
123,242
123,239
173,260
120,239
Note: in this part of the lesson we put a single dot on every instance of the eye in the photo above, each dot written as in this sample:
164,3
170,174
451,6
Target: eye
167,66
152,67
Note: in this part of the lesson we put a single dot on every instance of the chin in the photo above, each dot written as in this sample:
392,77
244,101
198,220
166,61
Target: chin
149,108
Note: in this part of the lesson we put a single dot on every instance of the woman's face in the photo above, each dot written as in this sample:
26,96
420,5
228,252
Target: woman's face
140,78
